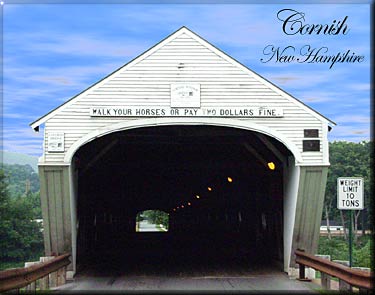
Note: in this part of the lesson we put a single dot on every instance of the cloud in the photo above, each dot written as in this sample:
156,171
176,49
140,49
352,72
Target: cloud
11,132
285,80
317,96
57,80
23,147
353,119
53,52
22,139
360,132
48,42
57,74
35,83
361,86
18,116
353,132
302,78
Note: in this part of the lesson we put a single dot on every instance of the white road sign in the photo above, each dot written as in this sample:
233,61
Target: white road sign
350,193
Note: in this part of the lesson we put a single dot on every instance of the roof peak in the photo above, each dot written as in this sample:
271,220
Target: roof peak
183,29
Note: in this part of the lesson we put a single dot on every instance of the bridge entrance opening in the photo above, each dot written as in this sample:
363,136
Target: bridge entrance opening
222,189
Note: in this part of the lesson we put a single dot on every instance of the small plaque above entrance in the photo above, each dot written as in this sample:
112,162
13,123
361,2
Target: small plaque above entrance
185,95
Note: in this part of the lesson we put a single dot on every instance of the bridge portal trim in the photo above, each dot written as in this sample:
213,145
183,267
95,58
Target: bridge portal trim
154,122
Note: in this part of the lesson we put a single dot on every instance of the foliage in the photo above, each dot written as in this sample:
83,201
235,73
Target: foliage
20,235
139,217
18,177
156,217
338,248
8,265
362,254
21,159
33,201
349,159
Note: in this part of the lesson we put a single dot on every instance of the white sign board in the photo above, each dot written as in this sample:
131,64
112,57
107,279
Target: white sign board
185,95
135,111
55,142
350,193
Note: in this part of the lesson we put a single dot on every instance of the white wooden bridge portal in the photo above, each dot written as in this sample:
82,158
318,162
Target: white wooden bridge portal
167,130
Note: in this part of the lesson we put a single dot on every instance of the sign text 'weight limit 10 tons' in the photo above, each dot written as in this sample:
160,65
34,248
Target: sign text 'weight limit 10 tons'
350,193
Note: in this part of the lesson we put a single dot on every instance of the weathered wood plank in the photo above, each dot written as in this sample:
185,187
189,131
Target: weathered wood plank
309,208
51,195
66,212
58,182
45,209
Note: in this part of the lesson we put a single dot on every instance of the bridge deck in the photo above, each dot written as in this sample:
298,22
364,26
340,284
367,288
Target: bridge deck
205,274
258,281
152,264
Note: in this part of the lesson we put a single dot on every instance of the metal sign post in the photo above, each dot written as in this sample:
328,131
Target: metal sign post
350,239
350,197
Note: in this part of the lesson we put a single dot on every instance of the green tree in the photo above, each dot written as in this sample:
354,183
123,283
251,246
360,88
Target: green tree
33,201
22,179
349,159
20,235
157,217
337,247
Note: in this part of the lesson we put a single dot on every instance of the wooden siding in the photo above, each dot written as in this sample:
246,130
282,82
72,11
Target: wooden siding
309,208
183,59
55,202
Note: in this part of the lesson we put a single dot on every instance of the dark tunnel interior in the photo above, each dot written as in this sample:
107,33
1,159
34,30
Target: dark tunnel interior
230,225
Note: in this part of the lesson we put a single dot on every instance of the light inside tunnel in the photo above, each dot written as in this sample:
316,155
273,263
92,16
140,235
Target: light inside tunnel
271,165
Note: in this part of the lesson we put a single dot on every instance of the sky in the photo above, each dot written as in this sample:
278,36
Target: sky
51,52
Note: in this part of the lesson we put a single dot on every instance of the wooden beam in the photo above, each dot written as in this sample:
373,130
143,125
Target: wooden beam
101,154
271,147
251,150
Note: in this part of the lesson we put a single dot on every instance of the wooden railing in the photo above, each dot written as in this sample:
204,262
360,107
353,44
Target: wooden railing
50,273
353,277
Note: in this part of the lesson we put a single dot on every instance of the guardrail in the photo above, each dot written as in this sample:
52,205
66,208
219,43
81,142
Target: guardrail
353,277
51,273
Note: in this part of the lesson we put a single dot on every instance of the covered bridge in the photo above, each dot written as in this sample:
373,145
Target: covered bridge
239,165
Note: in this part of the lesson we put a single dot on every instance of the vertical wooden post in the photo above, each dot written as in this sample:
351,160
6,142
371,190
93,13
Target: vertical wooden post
325,281
44,282
302,272
53,279
61,276
344,286
32,286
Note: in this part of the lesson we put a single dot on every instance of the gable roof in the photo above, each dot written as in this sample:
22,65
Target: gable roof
184,30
